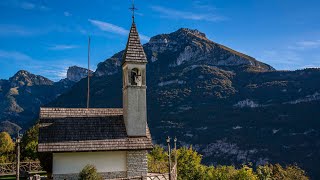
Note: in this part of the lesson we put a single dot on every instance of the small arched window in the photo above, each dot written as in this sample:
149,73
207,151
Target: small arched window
136,77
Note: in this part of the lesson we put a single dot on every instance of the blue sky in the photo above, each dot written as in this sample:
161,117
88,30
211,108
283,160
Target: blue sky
46,36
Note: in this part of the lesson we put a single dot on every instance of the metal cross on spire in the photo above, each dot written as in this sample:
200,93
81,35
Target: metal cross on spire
133,8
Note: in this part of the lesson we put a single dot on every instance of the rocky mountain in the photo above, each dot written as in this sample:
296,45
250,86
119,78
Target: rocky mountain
23,94
231,107
76,73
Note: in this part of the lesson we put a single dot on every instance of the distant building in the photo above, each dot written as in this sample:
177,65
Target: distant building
114,140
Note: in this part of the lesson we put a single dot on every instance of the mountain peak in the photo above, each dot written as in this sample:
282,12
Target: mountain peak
25,78
188,31
182,33
76,73
22,73
187,47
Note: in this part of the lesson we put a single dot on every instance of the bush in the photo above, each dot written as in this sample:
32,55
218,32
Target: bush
89,172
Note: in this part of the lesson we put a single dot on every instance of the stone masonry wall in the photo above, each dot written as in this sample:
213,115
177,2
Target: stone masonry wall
137,163
106,175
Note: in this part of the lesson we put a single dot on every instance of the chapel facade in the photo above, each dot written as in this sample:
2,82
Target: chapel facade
115,141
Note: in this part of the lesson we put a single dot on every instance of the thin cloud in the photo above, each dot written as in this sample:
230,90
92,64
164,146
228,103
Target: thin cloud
104,26
305,45
282,60
24,5
203,6
309,44
14,55
16,30
176,14
108,27
62,47
8,30
67,14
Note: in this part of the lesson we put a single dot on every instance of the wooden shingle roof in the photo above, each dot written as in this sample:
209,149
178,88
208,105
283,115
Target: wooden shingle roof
134,51
76,129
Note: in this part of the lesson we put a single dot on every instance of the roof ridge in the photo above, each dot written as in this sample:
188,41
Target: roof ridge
79,112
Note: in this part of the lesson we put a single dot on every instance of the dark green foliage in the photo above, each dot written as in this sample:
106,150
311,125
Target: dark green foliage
89,172
29,143
190,167
189,164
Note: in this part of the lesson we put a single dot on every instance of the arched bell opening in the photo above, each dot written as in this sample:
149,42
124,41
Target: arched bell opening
136,79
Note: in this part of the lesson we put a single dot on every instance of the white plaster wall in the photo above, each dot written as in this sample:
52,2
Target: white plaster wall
67,163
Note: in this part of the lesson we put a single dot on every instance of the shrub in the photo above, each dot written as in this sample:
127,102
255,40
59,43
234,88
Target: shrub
89,172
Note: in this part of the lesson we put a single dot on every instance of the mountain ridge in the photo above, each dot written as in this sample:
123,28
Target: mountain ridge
187,39
23,93
232,109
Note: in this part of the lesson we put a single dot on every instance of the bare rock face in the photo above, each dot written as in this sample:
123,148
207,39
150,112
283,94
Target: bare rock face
24,78
185,47
76,73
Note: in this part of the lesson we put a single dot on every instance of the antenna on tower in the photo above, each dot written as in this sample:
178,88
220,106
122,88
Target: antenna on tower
88,95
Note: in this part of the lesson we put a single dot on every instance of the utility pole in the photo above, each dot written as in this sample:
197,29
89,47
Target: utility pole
18,157
175,159
88,95
169,154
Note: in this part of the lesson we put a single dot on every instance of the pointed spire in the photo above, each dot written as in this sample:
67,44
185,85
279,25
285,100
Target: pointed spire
134,51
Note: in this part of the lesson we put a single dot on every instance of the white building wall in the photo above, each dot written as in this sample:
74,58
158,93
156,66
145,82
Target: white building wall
70,163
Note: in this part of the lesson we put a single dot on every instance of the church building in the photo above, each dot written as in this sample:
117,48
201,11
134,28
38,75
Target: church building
115,141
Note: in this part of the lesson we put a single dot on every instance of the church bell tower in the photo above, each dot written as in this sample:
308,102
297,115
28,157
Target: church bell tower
134,85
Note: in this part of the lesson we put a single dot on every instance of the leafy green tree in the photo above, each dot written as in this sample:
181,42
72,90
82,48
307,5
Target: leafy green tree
245,173
190,167
189,164
294,172
6,147
158,160
264,172
29,143
277,172
224,172
89,172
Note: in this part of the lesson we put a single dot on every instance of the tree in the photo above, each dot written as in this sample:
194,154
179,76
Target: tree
89,172
294,172
6,147
275,172
246,173
29,143
190,167
189,164
224,172
158,160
